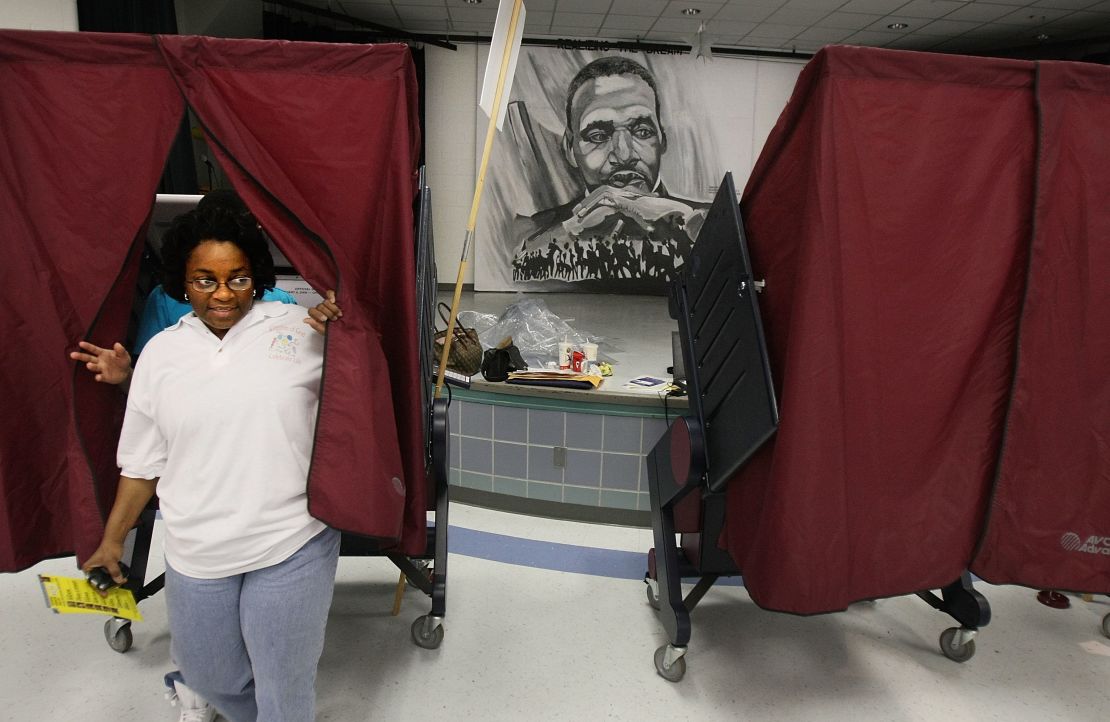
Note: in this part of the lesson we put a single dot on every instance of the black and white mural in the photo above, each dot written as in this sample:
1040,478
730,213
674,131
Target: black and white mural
605,167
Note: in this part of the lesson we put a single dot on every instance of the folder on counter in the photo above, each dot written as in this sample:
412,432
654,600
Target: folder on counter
558,379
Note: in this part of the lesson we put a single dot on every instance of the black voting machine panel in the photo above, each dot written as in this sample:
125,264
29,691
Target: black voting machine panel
732,412
427,571
723,350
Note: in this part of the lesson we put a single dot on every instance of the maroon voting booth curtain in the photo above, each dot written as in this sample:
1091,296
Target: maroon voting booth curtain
1049,520
320,140
890,214
934,236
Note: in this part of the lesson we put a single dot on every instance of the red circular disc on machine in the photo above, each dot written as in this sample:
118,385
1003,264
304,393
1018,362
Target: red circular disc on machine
1054,599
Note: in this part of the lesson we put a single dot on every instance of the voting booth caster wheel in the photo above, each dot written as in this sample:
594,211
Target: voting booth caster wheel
670,662
1106,625
118,633
650,586
958,643
427,631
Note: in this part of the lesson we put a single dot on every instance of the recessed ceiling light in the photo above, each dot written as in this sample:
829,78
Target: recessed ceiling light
472,2
1043,37
898,26
691,11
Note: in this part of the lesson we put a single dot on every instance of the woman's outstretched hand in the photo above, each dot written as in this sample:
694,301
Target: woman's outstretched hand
323,312
111,365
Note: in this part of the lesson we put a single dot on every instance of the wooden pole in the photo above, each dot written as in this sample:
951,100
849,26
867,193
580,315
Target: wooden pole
398,594
473,219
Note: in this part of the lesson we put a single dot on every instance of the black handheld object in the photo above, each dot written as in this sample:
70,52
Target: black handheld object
102,581
498,363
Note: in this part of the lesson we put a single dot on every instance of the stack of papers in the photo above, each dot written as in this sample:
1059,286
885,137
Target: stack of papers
557,378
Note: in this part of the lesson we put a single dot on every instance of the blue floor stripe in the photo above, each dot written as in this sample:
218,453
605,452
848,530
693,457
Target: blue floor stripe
557,557
546,555
551,555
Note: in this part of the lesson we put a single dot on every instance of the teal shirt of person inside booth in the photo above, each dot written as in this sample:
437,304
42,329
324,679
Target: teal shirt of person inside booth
113,365
161,312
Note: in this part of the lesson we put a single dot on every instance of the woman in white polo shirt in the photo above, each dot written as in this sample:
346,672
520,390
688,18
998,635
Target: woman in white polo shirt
220,420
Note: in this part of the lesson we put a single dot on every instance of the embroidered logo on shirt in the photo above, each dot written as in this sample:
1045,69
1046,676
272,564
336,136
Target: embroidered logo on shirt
284,347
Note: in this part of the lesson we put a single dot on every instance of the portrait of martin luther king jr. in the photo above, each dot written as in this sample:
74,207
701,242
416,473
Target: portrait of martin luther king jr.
628,227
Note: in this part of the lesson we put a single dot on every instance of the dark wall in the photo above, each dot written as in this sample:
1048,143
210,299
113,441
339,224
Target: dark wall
127,16
151,17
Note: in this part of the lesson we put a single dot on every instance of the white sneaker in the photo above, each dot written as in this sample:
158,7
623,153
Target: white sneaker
193,706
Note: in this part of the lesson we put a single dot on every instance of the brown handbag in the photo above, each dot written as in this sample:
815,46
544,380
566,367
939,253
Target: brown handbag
465,356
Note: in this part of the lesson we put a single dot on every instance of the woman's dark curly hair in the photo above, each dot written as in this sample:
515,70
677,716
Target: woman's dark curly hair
220,216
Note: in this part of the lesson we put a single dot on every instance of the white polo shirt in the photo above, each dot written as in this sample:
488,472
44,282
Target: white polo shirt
228,427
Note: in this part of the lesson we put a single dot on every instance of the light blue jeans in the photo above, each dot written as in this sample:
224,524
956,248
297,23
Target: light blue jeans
250,643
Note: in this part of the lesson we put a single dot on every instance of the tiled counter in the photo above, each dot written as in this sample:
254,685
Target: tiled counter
561,454
504,439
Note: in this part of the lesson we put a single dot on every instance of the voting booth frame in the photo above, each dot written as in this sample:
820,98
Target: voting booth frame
932,332
732,413
342,215
426,571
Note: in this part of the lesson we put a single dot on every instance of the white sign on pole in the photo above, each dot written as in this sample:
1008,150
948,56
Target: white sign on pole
501,44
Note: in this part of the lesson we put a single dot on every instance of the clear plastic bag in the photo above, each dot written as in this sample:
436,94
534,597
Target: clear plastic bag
535,330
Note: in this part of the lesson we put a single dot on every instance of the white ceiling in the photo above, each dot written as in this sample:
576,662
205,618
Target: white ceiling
975,26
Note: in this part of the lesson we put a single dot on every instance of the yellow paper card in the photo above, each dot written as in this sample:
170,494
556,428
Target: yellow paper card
66,595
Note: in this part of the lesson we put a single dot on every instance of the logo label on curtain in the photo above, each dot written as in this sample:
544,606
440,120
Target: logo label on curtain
1094,544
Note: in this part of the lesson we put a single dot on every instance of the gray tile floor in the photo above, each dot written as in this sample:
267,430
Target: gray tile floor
537,644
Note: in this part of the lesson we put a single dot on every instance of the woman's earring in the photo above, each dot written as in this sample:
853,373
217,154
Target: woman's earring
254,293
186,297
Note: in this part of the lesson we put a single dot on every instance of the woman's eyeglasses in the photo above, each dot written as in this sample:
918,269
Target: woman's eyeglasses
208,285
